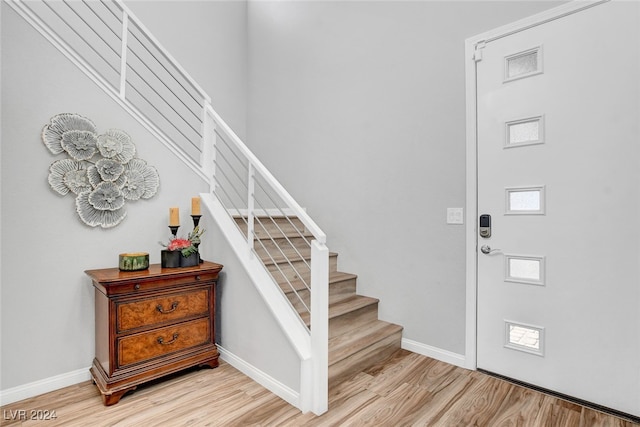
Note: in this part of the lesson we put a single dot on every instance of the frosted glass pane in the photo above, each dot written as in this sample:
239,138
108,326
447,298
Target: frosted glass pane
524,200
523,64
524,132
524,269
525,337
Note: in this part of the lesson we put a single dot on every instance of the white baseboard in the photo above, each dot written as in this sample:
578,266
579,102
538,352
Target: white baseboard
46,385
271,384
434,352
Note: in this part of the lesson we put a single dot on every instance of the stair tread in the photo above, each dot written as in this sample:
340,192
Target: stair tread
280,258
340,276
276,216
341,304
265,228
358,336
281,234
334,277
343,346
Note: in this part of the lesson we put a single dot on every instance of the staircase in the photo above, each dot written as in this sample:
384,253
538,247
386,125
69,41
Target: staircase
357,338
150,85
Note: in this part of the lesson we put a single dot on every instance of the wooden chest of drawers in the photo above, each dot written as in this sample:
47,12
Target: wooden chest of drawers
152,323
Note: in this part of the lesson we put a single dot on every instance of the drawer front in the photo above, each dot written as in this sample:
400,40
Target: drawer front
141,347
145,284
154,311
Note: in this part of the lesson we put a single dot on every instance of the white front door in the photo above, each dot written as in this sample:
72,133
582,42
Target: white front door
558,145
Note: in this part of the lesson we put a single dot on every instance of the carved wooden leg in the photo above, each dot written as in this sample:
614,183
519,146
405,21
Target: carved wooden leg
114,397
213,363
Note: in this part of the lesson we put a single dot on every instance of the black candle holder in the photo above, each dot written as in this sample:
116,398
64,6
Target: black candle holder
174,230
196,221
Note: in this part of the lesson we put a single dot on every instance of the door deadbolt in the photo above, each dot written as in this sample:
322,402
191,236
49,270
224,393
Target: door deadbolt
485,226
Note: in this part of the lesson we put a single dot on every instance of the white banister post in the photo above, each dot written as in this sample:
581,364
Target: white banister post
208,152
123,54
251,186
320,326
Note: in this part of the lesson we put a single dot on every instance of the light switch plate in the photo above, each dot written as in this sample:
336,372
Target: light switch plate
455,216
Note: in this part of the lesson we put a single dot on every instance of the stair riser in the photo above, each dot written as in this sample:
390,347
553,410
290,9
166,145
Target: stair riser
280,220
275,233
345,287
363,358
293,242
265,228
298,305
338,325
357,338
275,253
279,225
353,320
297,269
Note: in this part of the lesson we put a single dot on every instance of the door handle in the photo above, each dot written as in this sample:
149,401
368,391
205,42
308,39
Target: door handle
486,249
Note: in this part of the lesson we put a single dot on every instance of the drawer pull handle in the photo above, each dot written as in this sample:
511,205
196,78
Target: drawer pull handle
161,309
161,340
197,277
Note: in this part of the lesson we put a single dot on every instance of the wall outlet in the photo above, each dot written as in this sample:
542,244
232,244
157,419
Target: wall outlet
455,215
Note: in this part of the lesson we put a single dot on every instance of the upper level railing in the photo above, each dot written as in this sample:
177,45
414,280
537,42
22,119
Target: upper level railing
107,41
273,222
115,49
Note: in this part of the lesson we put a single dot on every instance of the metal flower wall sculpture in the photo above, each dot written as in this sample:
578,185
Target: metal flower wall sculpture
102,171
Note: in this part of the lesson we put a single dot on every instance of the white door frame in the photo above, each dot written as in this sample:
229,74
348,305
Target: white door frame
471,155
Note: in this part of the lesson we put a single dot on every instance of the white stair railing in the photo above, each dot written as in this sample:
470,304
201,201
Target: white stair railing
106,41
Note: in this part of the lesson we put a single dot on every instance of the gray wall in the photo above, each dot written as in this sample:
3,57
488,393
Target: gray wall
209,40
359,109
46,302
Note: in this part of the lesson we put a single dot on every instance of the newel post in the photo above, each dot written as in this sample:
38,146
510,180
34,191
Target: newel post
320,326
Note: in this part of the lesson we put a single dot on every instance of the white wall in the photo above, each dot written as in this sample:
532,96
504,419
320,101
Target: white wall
359,109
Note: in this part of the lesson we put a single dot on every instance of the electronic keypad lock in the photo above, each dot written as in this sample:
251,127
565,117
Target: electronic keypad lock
485,226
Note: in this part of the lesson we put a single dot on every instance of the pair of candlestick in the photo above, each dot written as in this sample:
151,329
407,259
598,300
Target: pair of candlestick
174,215
174,228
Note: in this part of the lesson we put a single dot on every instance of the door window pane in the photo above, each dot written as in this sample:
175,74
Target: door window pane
525,338
524,201
524,269
523,64
524,132
528,200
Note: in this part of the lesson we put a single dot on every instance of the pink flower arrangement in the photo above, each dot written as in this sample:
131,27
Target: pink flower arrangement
187,246
178,244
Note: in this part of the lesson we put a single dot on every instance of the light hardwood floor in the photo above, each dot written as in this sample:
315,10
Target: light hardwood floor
405,390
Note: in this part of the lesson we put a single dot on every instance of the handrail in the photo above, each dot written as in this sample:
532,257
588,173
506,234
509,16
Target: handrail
108,87
314,371
264,172
162,50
